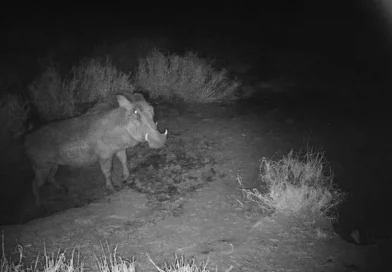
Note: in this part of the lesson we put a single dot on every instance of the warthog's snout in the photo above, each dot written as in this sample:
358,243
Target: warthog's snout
156,141
102,132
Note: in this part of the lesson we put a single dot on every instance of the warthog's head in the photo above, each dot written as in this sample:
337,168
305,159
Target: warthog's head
139,121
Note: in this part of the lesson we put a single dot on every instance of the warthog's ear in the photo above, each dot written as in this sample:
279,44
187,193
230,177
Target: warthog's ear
138,97
124,102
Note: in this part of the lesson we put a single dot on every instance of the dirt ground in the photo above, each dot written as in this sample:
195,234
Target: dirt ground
203,215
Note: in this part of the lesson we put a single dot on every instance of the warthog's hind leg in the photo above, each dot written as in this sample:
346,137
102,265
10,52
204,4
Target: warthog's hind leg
51,174
52,180
106,167
122,156
43,174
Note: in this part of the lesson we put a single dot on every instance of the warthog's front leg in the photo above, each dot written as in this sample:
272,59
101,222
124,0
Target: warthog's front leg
41,175
122,156
106,167
36,184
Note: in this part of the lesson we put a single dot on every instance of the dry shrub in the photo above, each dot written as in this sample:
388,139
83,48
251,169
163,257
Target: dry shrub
297,185
189,78
13,117
56,97
53,97
95,81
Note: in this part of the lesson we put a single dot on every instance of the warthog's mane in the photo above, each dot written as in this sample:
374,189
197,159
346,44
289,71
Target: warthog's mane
144,107
111,103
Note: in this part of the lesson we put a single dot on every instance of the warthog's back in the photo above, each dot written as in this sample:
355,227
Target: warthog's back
74,141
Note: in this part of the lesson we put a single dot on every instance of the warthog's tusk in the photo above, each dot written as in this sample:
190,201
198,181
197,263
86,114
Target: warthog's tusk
146,137
166,132
156,124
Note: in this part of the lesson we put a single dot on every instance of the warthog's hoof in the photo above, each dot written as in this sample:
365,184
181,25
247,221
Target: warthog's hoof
37,204
124,178
62,189
111,188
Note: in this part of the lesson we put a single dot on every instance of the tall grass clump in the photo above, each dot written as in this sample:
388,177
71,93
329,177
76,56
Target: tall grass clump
297,185
180,264
108,261
53,97
188,78
95,81
47,262
13,117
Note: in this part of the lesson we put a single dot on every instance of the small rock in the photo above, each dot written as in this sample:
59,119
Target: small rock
190,155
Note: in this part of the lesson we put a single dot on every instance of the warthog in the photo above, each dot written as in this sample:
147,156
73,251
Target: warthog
103,131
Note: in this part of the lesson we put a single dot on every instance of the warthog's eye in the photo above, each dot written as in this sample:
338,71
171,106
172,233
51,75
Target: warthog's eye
136,114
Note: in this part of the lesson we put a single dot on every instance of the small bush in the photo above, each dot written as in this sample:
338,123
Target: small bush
13,116
189,78
56,97
299,186
53,97
95,81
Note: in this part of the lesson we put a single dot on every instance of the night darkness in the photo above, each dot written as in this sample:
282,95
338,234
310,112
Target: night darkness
309,73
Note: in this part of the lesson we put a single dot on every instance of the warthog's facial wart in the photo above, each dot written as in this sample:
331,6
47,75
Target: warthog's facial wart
105,130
